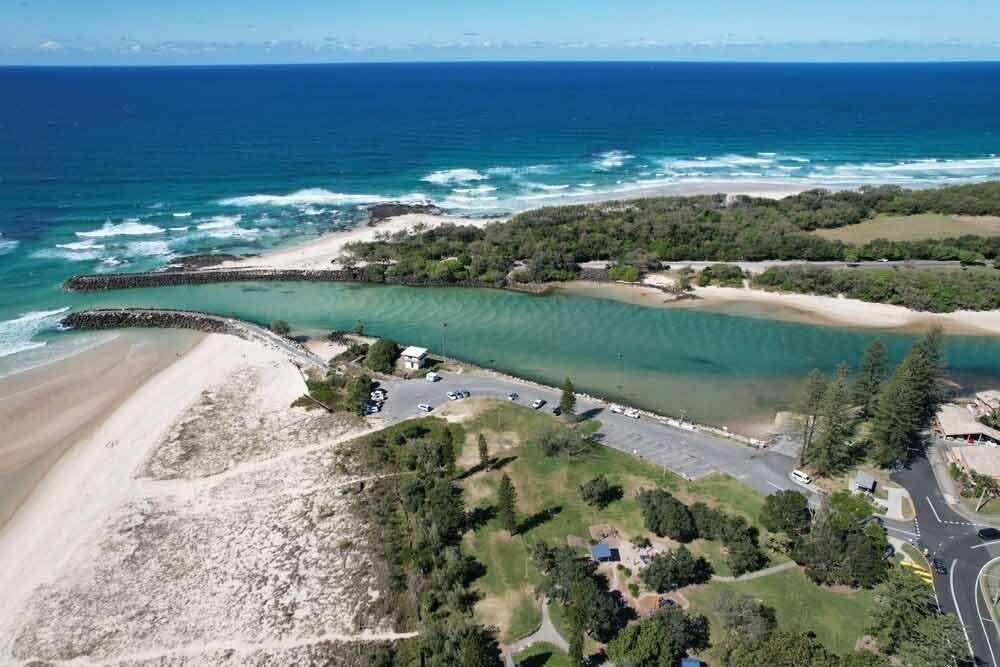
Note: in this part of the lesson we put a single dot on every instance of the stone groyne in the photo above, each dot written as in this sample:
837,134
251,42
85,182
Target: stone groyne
162,318
116,281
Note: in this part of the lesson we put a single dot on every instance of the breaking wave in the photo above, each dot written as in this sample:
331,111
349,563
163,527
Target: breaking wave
612,160
130,227
316,196
449,176
16,335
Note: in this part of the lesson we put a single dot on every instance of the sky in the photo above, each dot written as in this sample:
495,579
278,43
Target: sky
136,32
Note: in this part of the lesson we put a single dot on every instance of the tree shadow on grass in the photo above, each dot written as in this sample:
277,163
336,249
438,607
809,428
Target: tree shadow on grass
480,516
498,464
538,518
537,660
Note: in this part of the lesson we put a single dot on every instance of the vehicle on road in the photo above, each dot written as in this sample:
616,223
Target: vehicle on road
632,412
464,393
557,411
939,566
801,477
424,407
373,407
512,396
538,403
432,377
378,395
989,534
453,396
617,409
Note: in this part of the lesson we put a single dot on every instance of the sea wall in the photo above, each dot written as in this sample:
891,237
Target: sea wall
115,281
120,318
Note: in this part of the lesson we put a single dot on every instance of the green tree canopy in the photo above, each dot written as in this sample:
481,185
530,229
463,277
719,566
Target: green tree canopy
871,376
507,504
785,512
382,355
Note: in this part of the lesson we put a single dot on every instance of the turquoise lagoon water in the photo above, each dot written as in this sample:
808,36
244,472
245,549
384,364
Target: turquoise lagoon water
712,366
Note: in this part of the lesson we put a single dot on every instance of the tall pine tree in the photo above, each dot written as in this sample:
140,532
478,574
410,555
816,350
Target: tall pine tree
828,451
909,401
507,504
871,377
567,401
812,396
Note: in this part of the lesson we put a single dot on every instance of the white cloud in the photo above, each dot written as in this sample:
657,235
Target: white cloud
50,45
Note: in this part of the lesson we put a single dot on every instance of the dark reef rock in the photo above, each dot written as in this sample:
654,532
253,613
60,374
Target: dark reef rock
379,212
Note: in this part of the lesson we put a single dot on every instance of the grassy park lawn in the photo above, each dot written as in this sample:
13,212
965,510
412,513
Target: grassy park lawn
550,507
838,619
914,228
541,655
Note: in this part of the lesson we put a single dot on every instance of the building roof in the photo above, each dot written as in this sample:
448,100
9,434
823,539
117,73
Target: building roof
415,352
990,397
691,662
600,551
864,480
955,421
982,458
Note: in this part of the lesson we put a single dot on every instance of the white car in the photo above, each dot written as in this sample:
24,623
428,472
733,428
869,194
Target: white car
632,412
537,403
453,396
424,407
617,409
432,377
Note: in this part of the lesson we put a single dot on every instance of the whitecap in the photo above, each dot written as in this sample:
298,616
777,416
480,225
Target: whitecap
81,245
317,196
69,255
129,227
183,214
221,222
178,229
612,160
448,176
8,245
478,190
16,335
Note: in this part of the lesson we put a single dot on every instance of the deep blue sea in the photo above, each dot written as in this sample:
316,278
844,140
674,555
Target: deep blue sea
119,169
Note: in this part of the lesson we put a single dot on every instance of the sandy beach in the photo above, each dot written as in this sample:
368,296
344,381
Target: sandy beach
170,528
321,252
45,410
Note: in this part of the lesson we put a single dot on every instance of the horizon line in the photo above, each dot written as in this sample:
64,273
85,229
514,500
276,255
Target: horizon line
354,63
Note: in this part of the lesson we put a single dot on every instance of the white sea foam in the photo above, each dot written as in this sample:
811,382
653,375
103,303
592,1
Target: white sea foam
221,222
720,162
183,214
81,245
319,197
16,335
178,229
68,255
7,245
545,187
148,249
478,190
449,176
129,227
611,160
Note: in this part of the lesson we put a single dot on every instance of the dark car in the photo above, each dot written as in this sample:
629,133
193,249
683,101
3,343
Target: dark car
989,534
557,411
872,519
667,602
939,566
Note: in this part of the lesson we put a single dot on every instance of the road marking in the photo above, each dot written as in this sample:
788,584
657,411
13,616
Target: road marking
954,598
985,544
779,488
904,532
978,598
933,510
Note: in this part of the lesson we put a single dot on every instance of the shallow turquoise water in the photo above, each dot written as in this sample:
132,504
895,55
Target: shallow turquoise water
716,367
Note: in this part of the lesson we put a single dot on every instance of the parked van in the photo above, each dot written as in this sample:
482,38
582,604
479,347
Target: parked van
801,477
432,377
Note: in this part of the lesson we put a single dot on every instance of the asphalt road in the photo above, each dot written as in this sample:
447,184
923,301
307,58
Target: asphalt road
686,453
951,538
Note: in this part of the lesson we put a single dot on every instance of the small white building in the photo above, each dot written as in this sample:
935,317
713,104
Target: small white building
414,358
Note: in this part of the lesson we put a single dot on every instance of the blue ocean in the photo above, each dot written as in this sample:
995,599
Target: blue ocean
113,169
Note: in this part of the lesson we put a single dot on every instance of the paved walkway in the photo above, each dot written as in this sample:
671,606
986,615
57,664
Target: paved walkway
894,509
774,569
545,634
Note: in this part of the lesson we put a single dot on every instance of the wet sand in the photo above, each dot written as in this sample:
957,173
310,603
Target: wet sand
45,410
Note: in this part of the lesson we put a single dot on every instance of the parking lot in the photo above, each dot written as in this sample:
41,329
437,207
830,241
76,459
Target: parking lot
686,453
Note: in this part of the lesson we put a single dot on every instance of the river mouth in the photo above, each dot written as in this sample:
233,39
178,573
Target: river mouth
723,368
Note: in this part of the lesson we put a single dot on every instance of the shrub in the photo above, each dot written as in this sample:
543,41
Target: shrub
382,355
280,327
666,516
675,569
624,272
